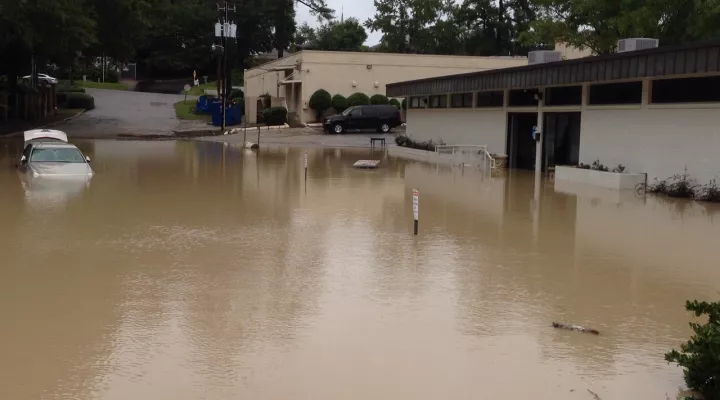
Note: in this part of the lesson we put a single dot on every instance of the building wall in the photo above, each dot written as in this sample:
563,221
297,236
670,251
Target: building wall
460,126
259,81
336,72
656,141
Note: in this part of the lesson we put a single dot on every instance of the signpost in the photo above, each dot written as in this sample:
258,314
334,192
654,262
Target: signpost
186,89
416,210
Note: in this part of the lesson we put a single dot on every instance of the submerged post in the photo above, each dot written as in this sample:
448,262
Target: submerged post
416,210
258,141
306,165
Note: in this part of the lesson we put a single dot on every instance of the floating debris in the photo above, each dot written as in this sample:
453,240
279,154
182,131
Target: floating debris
571,327
366,164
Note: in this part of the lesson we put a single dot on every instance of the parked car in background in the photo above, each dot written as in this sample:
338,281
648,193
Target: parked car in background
48,154
381,118
44,78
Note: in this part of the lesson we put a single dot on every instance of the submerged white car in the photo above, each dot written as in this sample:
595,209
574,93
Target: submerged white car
48,154
43,78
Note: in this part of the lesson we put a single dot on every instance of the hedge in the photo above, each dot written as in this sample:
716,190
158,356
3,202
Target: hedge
76,100
339,103
404,104
395,103
358,99
379,99
275,116
70,89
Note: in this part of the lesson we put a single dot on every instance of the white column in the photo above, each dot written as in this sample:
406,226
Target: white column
539,143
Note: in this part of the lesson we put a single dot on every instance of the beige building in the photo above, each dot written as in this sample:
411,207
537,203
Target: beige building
292,80
654,111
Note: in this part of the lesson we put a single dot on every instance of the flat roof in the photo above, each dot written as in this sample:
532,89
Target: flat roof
686,59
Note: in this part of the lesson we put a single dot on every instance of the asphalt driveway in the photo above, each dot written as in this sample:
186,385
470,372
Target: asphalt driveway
127,113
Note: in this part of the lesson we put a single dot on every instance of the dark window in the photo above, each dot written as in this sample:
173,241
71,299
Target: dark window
461,100
689,90
490,99
522,98
616,93
418,102
563,96
439,101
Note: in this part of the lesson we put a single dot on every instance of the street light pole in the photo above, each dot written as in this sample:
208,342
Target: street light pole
227,30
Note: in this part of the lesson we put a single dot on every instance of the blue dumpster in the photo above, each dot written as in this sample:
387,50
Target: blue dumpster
233,115
202,105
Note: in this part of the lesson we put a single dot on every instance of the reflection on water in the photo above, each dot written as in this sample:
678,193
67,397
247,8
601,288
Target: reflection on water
194,270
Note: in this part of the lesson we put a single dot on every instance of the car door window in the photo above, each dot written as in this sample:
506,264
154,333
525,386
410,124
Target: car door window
356,113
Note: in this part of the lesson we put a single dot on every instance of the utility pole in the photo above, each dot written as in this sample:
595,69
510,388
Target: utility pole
224,29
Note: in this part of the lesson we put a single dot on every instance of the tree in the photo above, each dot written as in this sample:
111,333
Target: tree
700,356
320,101
304,35
598,25
358,99
378,99
348,35
339,103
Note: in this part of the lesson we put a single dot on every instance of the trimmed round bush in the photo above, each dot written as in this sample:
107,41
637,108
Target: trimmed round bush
404,104
339,103
358,99
275,116
320,101
394,102
379,99
79,100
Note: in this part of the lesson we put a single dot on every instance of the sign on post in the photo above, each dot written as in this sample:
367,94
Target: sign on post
416,210
186,88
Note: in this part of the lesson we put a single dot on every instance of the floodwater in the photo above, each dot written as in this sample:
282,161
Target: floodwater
192,270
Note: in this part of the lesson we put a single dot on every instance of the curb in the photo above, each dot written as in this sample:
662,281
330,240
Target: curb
12,134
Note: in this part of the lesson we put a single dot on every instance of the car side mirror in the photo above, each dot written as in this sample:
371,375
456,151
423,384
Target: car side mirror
23,160
87,159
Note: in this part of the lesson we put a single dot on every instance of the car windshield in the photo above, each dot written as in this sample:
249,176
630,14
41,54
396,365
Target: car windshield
346,112
57,154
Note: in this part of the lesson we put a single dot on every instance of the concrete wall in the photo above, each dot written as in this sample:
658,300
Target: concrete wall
460,126
657,141
370,72
259,81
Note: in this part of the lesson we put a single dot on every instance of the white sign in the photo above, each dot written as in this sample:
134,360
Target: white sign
416,204
187,88
306,161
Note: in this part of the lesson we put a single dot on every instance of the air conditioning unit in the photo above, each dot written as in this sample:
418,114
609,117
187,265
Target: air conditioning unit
544,56
634,44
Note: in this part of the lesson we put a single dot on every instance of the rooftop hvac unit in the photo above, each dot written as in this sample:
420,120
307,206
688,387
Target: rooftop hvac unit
544,56
634,44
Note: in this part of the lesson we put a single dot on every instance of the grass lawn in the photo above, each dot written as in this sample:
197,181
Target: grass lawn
98,85
182,111
200,90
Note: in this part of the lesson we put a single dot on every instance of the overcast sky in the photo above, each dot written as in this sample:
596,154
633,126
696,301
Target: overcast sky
360,9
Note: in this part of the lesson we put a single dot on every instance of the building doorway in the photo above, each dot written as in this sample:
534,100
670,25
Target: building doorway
520,144
561,139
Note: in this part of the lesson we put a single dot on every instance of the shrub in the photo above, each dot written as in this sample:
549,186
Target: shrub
378,99
320,101
111,76
237,93
79,100
339,103
395,103
598,167
358,99
404,141
709,192
275,116
241,103
699,356
404,104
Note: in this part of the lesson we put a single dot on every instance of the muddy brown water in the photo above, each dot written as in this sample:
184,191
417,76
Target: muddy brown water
199,271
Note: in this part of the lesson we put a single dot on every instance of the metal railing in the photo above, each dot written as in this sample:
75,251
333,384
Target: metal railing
465,151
